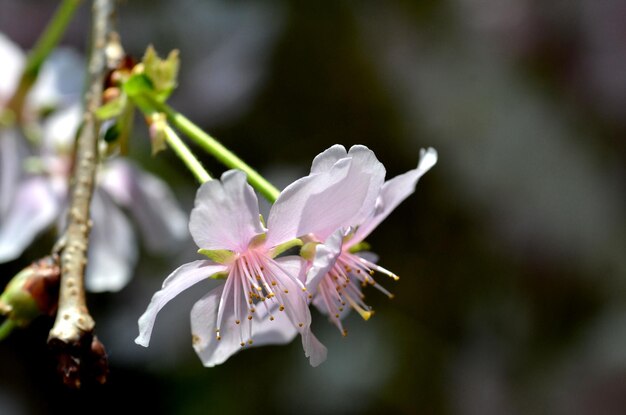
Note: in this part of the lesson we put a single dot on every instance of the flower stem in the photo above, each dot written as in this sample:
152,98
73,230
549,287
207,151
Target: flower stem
217,150
183,152
45,44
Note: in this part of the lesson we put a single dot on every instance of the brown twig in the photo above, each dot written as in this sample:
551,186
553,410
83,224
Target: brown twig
72,332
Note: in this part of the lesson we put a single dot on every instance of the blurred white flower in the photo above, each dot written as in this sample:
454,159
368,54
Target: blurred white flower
34,181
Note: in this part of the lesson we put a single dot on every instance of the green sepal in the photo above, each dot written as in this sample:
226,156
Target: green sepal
308,250
163,73
361,246
138,84
221,256
112,108
219,275
279,249
258,240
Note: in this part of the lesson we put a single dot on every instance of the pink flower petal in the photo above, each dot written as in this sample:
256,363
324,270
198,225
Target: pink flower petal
33,210
334,196
226,214
177,282
325,256
11,159
60,81
212,351
324,161
12,59
298,310
314,349
393,193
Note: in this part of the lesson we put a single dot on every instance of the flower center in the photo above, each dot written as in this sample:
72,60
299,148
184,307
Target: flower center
255,280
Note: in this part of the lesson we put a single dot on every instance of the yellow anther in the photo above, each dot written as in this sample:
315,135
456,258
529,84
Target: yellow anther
271,318
242,344
344,333
237,321
250,341
300,324
281,308
249,317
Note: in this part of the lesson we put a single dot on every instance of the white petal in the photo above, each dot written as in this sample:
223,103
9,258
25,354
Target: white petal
314,349
60,81
32,210
112,248
226,214
393,192
59,130
151,203
214,352
177,282
10,167
326,159
298,311
323,202
325,256
12,59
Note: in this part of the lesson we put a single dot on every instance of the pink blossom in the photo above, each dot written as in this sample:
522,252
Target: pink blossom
337,273
263,299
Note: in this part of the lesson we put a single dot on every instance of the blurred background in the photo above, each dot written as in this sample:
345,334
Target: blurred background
512,297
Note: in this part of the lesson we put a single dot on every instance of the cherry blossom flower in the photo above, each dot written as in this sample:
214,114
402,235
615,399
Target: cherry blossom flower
34,180
338,272
263,299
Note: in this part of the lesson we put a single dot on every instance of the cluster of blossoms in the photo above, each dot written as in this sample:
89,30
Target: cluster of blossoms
34,179
265,297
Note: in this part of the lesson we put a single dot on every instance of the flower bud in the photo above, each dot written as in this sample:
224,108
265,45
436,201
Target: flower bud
32,292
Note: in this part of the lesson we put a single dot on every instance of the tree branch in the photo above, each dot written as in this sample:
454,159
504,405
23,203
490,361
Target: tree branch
74,325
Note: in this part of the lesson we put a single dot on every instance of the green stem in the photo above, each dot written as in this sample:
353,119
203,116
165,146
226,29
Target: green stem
215,148
183,152
45,44
6,328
